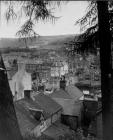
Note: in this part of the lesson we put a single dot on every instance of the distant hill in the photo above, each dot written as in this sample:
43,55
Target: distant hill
42,42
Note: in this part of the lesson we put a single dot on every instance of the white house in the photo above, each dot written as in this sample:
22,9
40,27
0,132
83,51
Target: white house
20,82
59,68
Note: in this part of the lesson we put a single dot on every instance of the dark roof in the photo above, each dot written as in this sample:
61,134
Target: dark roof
74,92
71,92
60,94
25,118
58,129
25,107
47,104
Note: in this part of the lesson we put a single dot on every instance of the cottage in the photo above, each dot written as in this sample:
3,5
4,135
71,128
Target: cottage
36,114
52,108
59,68
59,131
27,120
70,101
20,82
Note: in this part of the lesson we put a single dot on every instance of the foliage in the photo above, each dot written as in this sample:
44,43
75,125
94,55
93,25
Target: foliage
34,11
90,18
87,42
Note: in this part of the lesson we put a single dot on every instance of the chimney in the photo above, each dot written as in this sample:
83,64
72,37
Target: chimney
27,94
21,66
62,83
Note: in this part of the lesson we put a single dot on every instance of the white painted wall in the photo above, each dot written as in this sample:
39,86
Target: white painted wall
20,81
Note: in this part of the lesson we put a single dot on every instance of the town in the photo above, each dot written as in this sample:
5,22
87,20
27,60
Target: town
50,89
56,70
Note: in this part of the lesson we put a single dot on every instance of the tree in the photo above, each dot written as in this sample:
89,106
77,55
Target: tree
104,33
33,11
106,68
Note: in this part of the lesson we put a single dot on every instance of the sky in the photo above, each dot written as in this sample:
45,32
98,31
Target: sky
69,13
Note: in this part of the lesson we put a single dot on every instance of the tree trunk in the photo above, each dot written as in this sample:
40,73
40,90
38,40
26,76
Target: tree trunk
106,67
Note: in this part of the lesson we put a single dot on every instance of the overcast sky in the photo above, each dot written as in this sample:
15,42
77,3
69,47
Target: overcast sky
68,14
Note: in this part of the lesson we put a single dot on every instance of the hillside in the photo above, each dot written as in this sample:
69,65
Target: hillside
42,42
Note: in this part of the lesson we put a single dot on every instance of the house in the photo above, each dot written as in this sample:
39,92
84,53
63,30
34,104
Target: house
72,80
26,120
59,131
35,114
70,101
59,68
95,127
20,82
52,83
52,108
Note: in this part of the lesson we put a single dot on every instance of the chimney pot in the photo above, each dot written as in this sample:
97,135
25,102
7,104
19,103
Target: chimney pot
63,83
27,94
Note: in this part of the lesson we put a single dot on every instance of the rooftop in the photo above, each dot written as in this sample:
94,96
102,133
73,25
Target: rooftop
74,92
25,119
71,92
47,104
57,130
60,94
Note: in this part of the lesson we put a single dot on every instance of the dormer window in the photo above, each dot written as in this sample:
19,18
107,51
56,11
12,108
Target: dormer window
36,113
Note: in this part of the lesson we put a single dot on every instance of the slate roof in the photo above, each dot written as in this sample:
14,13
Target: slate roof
58,129
71,92
60,94
47,104
25,119
74,92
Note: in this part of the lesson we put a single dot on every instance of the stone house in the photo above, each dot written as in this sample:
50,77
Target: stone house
36,114
70,101
53,108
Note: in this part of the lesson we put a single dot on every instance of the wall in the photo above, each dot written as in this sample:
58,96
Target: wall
41,127
27,81
70,107
21,81
99,126
71,121
36,131
56,116
48,122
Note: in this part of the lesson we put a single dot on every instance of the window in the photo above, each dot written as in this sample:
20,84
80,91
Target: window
37,114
